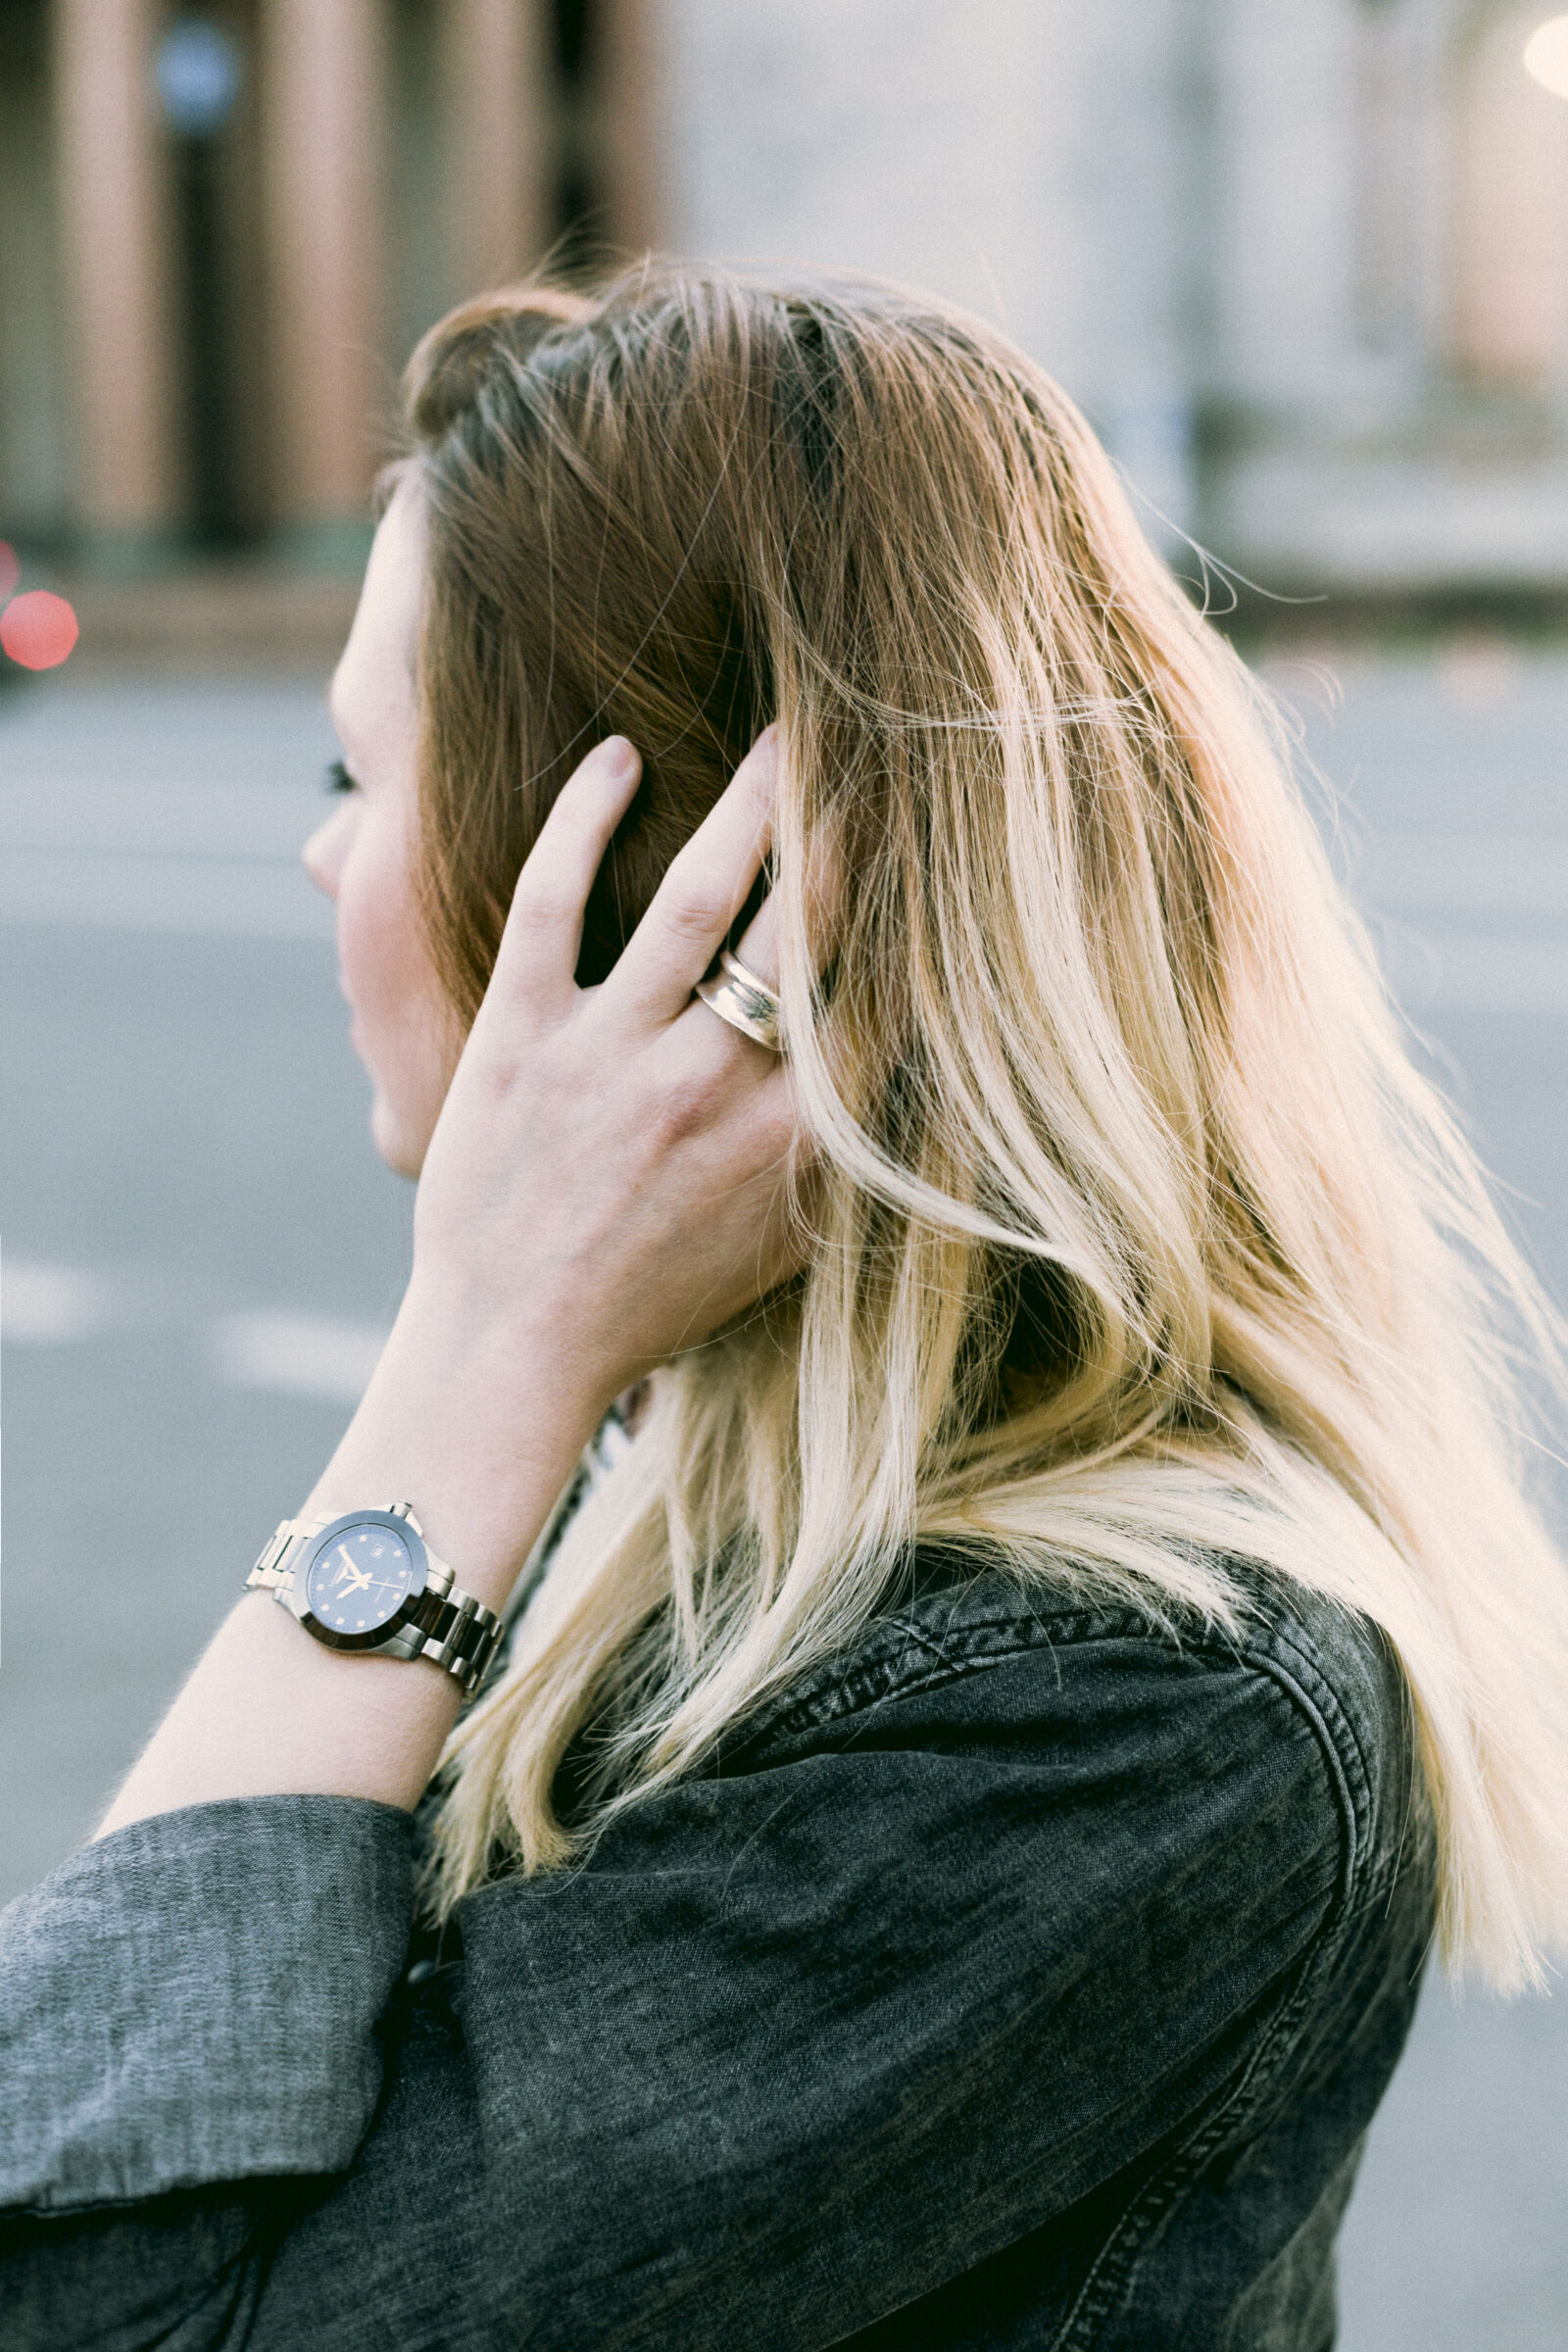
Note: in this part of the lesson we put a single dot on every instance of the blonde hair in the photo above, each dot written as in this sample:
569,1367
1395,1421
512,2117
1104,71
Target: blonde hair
1136,1238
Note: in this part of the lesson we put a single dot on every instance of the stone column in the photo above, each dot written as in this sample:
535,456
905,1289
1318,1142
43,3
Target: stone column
632,41
498,141
323,115
115,236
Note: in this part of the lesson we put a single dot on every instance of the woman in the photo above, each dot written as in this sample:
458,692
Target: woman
949,1853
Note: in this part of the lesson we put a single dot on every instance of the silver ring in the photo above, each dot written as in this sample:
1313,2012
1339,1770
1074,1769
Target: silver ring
745,1003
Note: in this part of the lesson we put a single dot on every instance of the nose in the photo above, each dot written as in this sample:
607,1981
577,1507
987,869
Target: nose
322,855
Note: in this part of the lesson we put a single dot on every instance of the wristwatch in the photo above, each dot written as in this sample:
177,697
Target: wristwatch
367,1581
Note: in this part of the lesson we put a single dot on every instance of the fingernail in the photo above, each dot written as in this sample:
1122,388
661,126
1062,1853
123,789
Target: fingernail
619,757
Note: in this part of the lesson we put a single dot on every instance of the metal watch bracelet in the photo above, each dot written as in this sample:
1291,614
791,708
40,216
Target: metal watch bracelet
449,1626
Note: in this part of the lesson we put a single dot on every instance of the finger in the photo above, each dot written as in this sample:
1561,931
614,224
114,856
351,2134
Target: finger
703,892
758,945
543,935
758,948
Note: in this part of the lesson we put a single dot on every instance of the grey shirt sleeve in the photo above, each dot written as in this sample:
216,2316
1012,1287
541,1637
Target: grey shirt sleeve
193,2000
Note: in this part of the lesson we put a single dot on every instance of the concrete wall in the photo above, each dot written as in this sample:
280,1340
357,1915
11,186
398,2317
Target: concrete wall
1233,228
1022,157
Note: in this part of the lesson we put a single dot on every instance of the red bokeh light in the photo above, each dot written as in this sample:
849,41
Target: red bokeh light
38,629
10,571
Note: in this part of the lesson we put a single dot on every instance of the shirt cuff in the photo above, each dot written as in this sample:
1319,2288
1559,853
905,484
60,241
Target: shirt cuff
193,1999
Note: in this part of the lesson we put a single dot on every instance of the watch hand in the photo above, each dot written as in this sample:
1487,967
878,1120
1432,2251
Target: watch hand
350,1578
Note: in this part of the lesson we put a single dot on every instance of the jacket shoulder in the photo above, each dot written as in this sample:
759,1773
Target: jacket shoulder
1076,1660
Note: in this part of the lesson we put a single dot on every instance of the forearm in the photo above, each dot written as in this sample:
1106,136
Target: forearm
267,1710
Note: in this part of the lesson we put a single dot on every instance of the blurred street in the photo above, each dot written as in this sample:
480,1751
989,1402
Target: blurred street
199,1245
200,1251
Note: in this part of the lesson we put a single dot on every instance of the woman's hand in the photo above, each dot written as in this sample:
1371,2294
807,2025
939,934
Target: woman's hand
607,1175
605,1184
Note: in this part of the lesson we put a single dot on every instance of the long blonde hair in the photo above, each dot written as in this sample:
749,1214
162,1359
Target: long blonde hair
1136,1238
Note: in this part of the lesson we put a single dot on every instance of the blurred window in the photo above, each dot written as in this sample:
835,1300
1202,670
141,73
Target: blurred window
202,73
198,71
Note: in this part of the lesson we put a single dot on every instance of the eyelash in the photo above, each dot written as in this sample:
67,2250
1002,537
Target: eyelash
338,779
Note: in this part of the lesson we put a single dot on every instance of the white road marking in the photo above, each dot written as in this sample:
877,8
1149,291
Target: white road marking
45,1304
292,1355
297,1355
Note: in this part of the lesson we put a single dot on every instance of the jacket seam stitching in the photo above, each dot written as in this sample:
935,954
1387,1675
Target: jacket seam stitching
1111,2277
1318,1705
1105,2290
836,1699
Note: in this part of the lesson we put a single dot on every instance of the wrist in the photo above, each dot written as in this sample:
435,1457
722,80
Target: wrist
478,1424
491,1348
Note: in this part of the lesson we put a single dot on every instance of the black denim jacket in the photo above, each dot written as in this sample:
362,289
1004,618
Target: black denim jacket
1026,1978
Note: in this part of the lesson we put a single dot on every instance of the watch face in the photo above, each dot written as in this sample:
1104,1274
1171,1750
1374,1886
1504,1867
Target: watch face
360,1580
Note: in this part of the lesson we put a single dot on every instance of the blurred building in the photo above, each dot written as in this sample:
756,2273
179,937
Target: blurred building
224,229
1305,262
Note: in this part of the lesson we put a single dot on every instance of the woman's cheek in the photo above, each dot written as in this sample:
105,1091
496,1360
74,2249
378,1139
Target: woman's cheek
399,1030
367,951
377,937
